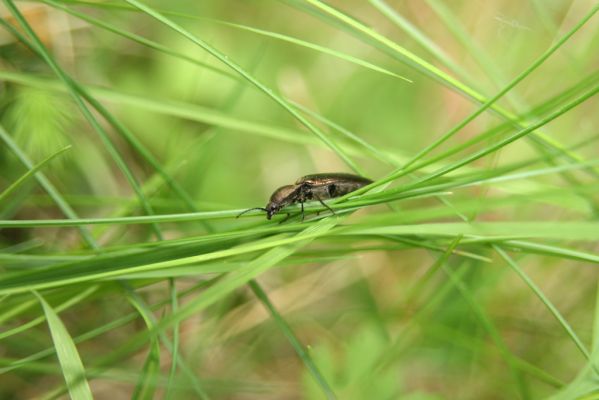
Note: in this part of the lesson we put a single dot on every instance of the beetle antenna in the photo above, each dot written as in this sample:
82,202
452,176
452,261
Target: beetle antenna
252,209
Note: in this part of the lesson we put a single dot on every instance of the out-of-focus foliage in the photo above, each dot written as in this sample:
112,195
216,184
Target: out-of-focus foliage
468,271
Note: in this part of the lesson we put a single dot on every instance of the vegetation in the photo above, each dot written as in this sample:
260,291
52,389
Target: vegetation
135,132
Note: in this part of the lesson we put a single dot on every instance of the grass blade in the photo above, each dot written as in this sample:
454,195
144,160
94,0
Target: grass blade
487,323
48,187
70,362
30,174
244,74
554,311
69,82
297,345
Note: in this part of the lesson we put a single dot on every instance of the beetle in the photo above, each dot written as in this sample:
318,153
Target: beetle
312,187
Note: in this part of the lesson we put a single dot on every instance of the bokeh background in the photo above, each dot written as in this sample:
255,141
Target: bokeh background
383,316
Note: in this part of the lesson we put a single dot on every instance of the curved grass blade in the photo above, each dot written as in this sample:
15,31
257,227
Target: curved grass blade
174,303
315,47
36,321
29,174
542,142
150,372
94,333
539,293
133,261
48,187
68,357
297,345
487,323
274,35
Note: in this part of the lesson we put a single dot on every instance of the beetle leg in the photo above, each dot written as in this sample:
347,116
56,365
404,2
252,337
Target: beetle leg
302,196
323,203
285,219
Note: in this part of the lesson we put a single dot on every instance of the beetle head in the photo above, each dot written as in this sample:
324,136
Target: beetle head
281,197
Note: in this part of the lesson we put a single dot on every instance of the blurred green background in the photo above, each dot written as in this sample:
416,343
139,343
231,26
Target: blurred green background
382,314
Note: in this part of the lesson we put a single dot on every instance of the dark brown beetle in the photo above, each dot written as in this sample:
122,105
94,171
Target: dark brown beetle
312,187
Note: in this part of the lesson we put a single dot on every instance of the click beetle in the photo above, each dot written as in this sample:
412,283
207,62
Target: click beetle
312,187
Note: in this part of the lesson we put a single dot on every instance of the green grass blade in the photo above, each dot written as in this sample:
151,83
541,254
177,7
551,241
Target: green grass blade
30,174
489,103
280,250
136,38
68,357
194,112
595,344
78,298
119,127
502,143
553,251
481,153
549,230
94,333
419,36
540,140
128,262
69,82
48,187
262,32
243,73
318,48
297,345
174,303
369,35
417,289
539,293
150,372
487,323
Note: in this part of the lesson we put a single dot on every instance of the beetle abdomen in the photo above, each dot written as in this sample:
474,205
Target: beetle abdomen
329,186
335,177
